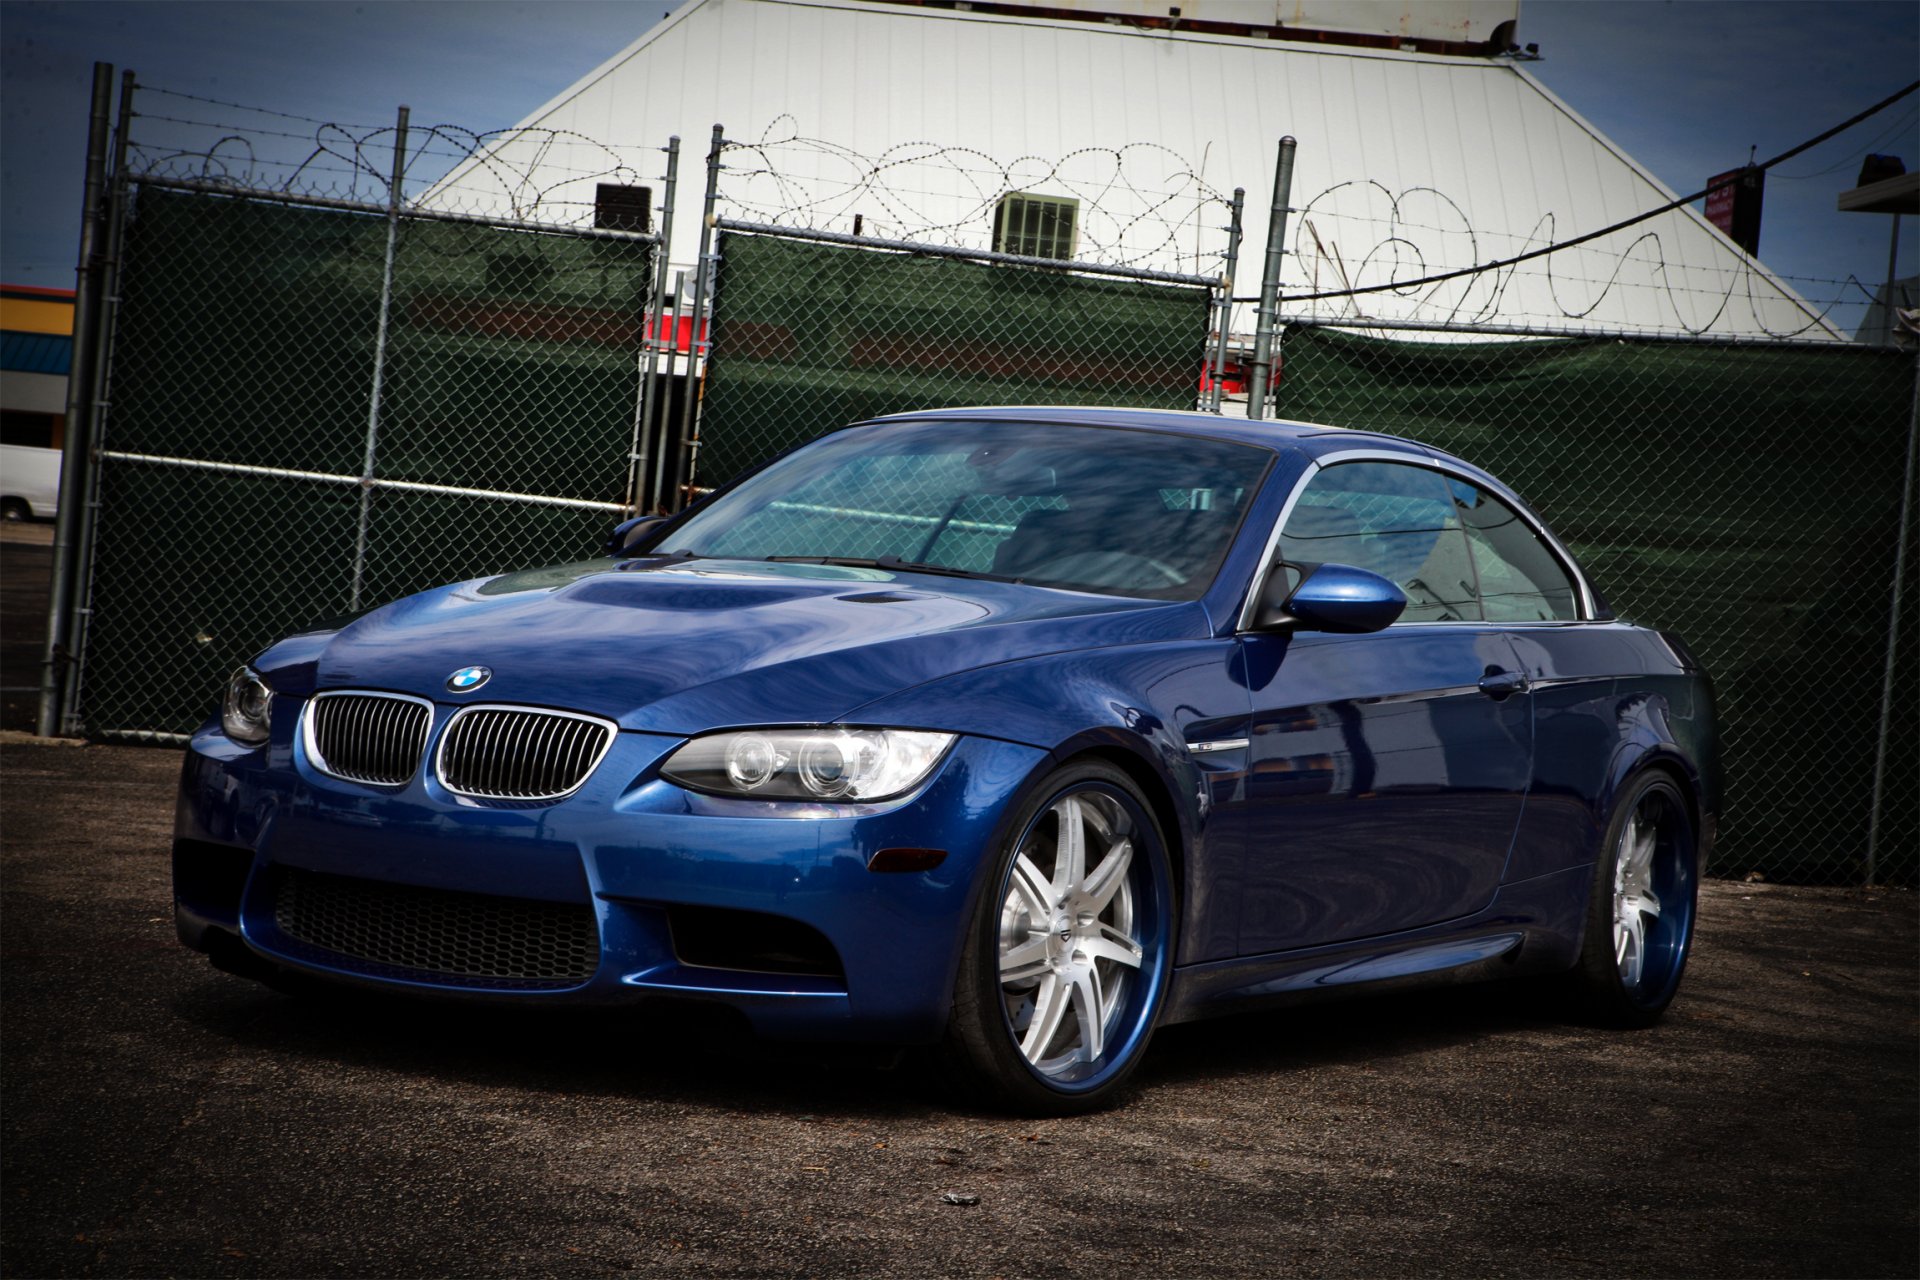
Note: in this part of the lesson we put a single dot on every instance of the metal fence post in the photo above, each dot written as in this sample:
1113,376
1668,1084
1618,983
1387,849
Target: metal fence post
1893,624
1893,268
1259,372
73,452
1226,299
699,342
650,342
94,428
394,197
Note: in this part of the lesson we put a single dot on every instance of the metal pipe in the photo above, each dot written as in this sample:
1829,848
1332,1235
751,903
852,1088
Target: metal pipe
73,450
394,197
699,342
1226,298
969,255
650,343
328,477
1258,379
1893,259
107,291
1893,626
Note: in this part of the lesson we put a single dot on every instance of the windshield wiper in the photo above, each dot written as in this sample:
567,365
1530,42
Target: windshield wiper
883,562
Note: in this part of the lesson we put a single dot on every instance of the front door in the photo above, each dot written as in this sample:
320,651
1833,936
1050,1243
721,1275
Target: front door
1387,771
1385,785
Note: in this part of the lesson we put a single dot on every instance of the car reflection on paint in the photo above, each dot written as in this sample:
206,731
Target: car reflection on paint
1010,734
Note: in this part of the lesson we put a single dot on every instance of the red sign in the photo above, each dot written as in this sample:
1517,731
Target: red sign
1735,207
1720,201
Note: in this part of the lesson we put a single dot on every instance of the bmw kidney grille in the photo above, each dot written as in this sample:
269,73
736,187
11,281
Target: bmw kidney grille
375,738
514,753
489,752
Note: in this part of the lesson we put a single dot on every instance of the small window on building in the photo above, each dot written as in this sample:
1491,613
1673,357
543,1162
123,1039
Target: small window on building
618,207
1036,226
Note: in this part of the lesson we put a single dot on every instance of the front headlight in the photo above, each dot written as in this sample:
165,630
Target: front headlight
247,712
808,764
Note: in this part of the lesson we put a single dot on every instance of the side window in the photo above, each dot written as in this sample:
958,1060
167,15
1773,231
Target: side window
1399,521
1520,578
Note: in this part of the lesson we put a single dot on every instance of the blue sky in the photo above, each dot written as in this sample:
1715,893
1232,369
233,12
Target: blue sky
1684,86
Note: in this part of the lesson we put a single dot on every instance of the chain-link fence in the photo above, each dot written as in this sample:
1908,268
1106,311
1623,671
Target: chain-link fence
1744,496
316,410
314,396
810,336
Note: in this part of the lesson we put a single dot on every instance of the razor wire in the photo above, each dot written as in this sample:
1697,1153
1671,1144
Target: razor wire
1138,205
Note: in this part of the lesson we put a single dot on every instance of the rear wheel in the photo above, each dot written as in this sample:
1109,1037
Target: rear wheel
1069,951
1640,913
12,509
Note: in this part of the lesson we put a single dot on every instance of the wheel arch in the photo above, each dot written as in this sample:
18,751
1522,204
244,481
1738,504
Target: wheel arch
1667,759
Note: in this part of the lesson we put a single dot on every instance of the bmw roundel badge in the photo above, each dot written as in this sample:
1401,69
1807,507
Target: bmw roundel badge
467,679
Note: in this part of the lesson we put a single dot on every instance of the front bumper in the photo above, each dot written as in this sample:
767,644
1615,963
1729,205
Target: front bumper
631,848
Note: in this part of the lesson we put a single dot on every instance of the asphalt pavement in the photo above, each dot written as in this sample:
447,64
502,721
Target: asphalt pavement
160,1118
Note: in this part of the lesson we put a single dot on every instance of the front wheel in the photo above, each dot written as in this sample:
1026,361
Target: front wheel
1640,914
1069,951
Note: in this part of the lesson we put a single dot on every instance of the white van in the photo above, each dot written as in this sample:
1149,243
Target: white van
29,482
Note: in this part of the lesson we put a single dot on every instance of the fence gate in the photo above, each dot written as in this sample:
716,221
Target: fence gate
811,332
317,407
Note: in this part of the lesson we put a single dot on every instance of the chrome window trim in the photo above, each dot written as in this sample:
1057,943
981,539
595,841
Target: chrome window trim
446,733
310,746
1427,461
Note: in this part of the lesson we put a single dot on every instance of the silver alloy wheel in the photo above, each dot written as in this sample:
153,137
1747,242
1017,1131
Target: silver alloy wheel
1069,943
1635,906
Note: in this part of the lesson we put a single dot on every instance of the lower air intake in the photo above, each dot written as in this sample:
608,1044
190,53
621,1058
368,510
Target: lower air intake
466,937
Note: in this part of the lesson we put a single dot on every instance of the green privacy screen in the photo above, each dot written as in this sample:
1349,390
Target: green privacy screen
1744,498
810,337
248,336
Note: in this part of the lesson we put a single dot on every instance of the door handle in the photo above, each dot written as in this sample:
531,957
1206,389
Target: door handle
1500,684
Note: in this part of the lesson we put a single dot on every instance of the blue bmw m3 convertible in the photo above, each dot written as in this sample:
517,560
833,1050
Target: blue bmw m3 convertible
1011,733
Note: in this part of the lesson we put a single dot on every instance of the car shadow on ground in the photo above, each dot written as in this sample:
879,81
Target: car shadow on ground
1351,1028
703,1055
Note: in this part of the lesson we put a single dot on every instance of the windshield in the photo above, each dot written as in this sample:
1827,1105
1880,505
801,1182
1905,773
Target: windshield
1117,511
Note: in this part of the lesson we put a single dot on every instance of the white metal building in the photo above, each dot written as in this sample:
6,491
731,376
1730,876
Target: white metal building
1412,158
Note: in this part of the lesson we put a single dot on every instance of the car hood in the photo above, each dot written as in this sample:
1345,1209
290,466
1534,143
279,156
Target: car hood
686,647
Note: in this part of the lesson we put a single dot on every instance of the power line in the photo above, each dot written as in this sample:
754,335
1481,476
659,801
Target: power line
1670,206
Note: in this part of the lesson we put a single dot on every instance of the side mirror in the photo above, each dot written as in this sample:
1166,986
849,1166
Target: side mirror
1332,597
628,535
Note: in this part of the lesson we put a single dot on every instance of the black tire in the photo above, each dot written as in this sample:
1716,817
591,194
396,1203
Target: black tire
984,1044
12,509
1606,987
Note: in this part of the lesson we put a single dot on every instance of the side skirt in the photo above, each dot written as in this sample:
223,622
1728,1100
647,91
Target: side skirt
1530,927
